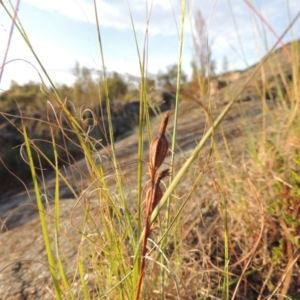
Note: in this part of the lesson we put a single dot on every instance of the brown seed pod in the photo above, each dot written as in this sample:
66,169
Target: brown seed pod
157,153
158,191
158,148
154,193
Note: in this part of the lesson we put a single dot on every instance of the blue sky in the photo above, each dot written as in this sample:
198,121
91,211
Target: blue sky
64,31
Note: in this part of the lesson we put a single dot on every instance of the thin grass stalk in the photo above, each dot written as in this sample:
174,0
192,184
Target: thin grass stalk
258,241
80,260
16,9
111,239
143,116
296,102
200,80
232,282
53,166
238,34
226,144
112,144
284,48
82,273
174,134
225,290
289,16
111,133
61,176
57,214
289,266
143,258
141,133
56,195
115,286
264,105
40,153
143,107
26,39
144,72
52,267
113,248
182,206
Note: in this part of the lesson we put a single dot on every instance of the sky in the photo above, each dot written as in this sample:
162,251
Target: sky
63,32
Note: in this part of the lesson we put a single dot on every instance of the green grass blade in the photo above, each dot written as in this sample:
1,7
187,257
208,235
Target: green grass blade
52,267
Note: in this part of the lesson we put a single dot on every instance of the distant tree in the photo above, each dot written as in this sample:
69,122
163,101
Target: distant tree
132,95
225,64
195,70
29,93
203,66
117,88
85,88
203,56
169,78
150,84
88,87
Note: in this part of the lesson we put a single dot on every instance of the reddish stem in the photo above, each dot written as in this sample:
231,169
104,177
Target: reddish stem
143,259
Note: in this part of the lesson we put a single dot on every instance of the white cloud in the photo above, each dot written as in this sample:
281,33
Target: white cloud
115,14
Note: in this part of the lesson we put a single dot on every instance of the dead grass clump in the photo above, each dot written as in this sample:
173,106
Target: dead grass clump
264,225
263,204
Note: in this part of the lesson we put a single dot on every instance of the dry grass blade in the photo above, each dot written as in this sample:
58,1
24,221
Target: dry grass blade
286,272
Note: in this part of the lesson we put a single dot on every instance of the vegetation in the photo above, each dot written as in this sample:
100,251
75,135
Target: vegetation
221,221
25,105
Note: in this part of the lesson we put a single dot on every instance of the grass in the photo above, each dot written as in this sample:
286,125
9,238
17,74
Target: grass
218,229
